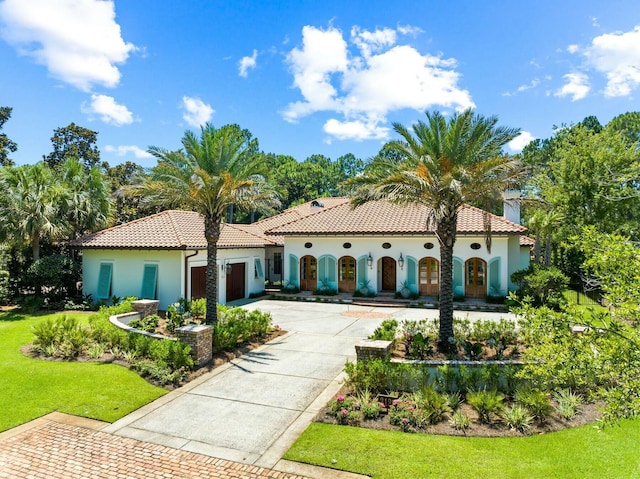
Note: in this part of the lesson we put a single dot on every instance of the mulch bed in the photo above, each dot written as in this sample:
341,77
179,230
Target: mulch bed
220,358
588,413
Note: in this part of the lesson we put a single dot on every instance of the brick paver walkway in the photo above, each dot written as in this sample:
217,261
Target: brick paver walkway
52,450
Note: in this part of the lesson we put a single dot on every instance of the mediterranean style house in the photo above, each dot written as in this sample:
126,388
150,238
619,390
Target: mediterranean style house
323,243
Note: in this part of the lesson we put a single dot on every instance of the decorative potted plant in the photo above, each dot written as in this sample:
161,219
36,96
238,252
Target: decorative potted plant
405,292
364,287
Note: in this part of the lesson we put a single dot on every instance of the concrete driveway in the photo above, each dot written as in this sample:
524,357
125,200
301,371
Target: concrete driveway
252,409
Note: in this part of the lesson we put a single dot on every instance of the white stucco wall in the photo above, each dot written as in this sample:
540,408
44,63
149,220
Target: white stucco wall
248,256
128,267
504,247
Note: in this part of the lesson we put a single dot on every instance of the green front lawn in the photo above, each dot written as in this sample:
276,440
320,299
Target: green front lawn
30,388
573,453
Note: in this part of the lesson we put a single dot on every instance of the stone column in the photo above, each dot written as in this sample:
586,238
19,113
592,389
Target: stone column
146,307
200,338
373,349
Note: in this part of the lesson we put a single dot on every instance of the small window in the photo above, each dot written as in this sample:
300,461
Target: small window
346,245
149,281
476,246
386,245
258,269
104,281
308,245
428,245
277,263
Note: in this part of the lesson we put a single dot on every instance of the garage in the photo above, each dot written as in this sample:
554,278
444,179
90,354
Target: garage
236,282
198,282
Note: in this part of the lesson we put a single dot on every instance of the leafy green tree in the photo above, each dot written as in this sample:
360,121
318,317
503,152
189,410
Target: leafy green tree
448,163
74,141
591,179
6,145
615,261
627,123
211,172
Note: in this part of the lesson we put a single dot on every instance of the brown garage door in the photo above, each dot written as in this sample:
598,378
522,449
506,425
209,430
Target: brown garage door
235,282
198,282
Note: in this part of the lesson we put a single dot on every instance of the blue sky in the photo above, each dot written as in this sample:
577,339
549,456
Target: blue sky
307,77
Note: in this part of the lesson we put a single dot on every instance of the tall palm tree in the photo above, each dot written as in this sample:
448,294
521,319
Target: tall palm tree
442,165
30,196
211,172
88,200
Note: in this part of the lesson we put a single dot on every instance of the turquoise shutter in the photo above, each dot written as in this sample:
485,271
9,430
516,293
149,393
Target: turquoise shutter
149,280
293,270
361,272
322,271
494,277
331,268
104,281
412,273
259,273
458,277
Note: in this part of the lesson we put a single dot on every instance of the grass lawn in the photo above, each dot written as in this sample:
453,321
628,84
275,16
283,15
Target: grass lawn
573,453
30,388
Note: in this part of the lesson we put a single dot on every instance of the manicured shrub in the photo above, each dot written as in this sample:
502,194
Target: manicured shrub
148,323
63,336
460,421
486,403
567,403
545,284
517,418
433,404
386,331
536,401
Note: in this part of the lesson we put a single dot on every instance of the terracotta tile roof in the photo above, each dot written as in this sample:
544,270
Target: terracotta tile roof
297,212
527,241
382,217
172,229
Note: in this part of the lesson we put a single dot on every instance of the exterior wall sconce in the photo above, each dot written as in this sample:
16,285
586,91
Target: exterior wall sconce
228,268
370,261
401,261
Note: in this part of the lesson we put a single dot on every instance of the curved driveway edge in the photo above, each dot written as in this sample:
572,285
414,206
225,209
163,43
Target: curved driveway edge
253,409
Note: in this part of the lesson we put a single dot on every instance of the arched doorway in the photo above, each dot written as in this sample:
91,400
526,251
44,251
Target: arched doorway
308,273
388,274
475,284
429,277
347,274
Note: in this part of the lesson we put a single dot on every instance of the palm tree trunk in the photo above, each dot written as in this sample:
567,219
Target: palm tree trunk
212,234
547,251
447,237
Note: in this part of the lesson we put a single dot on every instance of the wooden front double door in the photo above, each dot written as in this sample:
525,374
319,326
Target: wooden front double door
429,277
308,273
475,284
347,274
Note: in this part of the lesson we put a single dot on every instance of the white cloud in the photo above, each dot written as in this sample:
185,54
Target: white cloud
617,56
577,86
365,87
247,62
573,49
520,141
108,110
123,150
534,83
78,41
355,130
409,30
196,112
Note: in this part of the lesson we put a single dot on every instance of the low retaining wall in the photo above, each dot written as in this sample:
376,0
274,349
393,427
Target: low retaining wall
198,336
